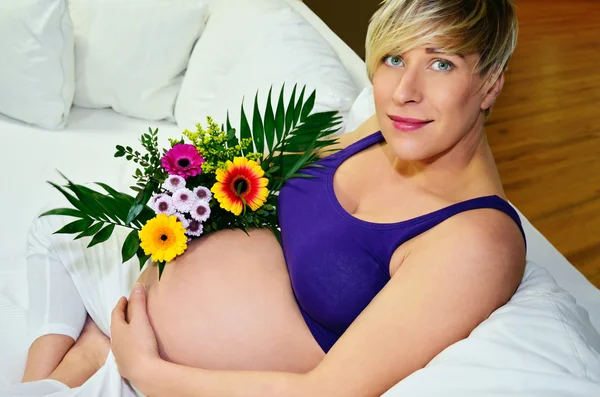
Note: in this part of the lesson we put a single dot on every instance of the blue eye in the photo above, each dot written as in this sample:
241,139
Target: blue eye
393,60
443,65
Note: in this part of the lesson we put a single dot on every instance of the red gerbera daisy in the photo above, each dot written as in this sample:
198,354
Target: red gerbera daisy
241,182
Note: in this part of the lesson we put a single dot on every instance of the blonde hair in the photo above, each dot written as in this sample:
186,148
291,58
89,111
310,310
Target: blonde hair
486,27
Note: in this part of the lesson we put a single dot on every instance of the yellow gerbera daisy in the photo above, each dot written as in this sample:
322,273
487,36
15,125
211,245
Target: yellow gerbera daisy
243,178
163,237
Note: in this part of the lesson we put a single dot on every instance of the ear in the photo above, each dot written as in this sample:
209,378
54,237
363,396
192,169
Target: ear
492,91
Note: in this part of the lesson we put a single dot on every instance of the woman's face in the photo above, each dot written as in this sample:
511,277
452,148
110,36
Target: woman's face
428,101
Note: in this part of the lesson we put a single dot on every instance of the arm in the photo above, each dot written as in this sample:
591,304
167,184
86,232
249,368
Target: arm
436,298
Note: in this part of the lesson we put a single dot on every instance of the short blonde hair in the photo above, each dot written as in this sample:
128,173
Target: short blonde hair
486,27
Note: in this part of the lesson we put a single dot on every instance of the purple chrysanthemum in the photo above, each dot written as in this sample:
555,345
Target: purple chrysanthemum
201,211
174,182
164,205
183,160
184,200
203,193
181,218
195,228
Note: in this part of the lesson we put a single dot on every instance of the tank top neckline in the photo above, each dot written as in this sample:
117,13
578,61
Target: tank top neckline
362,144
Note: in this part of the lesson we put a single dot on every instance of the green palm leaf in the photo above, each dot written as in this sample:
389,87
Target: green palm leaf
64,211
75,226
298,107
245,132
308,106
269,123
90,231
257,128
102,235
289,113
280,116
130,246
75,202
143,258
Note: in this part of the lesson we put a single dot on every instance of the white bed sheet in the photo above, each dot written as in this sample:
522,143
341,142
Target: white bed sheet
84,153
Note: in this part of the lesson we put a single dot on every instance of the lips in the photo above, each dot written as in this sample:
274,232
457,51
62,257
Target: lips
408,124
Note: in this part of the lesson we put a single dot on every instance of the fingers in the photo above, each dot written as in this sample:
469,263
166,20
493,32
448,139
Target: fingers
118,313
136,309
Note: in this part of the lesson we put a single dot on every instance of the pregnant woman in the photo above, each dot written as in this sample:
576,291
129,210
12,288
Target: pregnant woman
399,247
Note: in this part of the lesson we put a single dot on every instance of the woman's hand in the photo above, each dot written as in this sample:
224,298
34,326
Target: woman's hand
133,341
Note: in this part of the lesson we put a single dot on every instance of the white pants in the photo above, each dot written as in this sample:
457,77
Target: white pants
66,282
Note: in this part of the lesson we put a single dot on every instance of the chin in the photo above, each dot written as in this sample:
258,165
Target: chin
405,146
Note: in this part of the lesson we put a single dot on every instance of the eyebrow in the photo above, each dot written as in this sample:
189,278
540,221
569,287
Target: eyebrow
439,51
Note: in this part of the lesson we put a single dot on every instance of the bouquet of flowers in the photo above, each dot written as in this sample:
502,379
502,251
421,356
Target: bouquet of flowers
208,180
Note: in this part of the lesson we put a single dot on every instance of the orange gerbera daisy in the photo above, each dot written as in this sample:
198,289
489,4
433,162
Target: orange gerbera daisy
241,183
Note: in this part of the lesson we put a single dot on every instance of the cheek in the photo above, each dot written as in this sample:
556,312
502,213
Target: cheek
454,104
383,89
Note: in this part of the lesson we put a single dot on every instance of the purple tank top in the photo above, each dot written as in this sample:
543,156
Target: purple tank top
337,262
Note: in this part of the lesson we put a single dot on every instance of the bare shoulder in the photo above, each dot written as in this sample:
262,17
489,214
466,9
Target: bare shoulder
370,126
485,246
489,229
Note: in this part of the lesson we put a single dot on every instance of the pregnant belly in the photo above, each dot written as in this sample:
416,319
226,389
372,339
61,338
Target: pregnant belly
227,303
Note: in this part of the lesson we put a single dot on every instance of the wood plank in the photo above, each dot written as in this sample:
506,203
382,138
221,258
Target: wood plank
545,127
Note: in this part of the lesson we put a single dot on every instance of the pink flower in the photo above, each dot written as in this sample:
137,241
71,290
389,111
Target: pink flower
183,160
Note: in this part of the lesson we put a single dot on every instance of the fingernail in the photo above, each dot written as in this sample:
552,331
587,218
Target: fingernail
139,288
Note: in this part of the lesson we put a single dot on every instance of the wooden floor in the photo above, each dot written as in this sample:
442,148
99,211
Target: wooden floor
545,128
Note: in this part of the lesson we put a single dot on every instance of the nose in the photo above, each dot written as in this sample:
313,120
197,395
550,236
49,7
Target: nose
409,88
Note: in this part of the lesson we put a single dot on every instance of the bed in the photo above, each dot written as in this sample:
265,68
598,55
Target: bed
544,342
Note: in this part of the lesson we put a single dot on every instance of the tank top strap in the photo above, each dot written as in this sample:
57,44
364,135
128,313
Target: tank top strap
493,202
359,146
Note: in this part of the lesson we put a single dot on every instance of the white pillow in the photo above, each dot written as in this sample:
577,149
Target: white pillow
131,54
541,343
362,109
249,45
36,70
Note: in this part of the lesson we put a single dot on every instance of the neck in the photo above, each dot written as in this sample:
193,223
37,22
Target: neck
452,170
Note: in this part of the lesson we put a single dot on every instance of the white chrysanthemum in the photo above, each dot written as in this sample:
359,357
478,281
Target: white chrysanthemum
164,205
156,197
201,211
203,193
181,218
174,183
195,228
184,200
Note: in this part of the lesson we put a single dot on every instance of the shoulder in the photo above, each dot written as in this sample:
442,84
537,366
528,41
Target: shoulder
489,229
370,126
484,246
483,232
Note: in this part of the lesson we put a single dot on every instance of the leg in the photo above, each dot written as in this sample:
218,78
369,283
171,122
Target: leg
85,358
56,315
44,356
66,282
